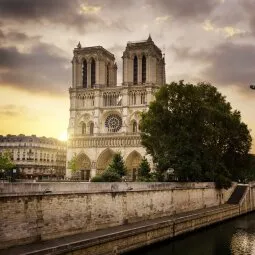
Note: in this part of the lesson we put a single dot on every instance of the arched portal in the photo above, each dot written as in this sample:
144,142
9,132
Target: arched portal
83,166
104,160
132,162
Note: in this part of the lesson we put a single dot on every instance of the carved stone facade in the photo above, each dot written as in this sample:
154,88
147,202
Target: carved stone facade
104,117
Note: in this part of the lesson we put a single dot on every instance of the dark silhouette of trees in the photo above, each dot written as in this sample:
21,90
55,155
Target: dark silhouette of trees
193,129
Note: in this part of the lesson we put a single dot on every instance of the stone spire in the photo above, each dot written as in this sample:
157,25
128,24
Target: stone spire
79,45
149,38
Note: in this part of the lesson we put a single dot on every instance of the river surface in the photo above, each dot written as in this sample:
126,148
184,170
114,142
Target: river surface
234,237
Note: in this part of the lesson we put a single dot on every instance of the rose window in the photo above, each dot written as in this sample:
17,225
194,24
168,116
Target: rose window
113,123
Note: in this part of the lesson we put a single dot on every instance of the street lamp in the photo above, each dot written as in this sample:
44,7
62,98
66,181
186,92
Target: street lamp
252,86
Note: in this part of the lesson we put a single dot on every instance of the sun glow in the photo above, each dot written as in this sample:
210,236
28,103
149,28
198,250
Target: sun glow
63,136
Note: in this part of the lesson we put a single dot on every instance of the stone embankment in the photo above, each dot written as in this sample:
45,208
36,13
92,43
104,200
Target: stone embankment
113,219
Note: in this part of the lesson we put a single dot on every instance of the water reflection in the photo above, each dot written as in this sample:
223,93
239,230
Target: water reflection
242,243
235,237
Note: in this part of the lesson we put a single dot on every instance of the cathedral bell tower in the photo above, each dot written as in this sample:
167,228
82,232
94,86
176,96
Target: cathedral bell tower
143,63
93,67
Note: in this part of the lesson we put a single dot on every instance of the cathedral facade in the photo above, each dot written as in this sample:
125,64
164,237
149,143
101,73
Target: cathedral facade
104,118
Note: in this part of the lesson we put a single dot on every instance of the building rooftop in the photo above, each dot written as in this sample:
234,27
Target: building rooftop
32,138
144,43
80,49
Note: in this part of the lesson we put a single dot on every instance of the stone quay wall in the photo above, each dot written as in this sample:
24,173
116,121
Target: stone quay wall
92,187
127,241
31,213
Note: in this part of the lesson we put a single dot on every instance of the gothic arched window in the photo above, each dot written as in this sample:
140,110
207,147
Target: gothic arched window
107,75
143,69
143,98
83,129
93,72
84,73
135,70
91,128
134,127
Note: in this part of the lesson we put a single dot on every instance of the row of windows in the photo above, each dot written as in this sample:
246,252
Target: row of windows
30,144
32,156
93,72
35,159
112,126
137,99
87,103
115,100
112,99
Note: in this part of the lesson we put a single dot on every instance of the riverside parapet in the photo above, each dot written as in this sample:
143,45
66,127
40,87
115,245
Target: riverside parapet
32,212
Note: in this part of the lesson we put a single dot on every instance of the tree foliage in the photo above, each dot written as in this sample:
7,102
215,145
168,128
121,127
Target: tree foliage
193,129
144,170
248,173
117,165
114,172
7,166
97,178
5,161
109,175
73,164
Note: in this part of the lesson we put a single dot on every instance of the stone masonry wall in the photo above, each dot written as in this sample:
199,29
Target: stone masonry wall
26,218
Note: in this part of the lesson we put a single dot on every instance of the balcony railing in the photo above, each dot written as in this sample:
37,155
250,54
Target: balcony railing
106,134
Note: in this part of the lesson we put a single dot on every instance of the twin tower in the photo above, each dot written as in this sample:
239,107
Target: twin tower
93,67
104,117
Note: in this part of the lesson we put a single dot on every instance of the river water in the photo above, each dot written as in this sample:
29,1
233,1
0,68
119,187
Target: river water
234,237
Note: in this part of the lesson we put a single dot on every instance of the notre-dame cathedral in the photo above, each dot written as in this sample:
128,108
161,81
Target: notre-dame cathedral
104,117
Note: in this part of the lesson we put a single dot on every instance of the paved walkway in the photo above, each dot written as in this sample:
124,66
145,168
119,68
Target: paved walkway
43,247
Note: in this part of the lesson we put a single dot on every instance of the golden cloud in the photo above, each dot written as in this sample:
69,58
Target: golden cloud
228,31
90,9
208,26
162,19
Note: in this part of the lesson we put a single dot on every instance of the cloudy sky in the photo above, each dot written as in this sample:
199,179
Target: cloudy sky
203,40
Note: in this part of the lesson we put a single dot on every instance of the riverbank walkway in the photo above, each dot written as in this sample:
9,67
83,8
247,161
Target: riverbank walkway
80,241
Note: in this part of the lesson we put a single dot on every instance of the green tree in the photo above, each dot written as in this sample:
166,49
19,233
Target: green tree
114,171
192,129
6,165
117,165
248,173
144,170
73,164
